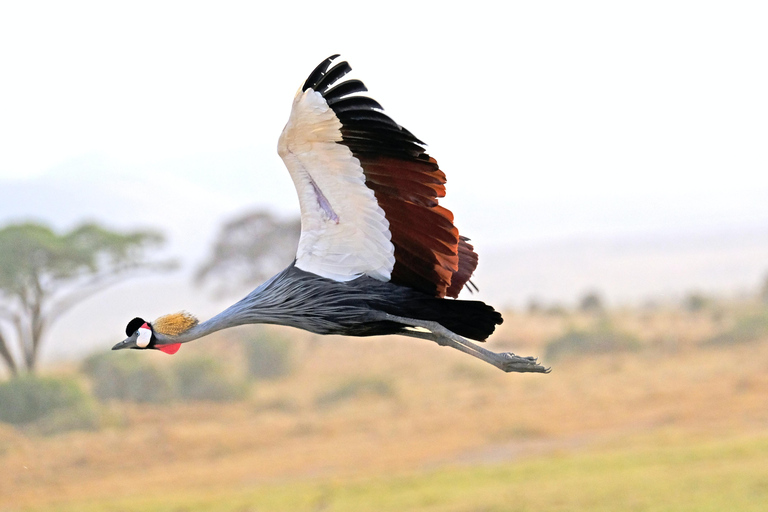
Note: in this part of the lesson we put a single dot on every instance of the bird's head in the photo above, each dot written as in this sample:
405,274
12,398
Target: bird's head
141,335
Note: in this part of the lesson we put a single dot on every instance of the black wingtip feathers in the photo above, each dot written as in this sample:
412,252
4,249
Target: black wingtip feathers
318,73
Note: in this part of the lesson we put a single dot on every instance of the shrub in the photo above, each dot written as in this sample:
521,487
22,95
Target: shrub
696,301
356,387
53,404
204,378
133,377
591,302
128,376
82,416
764,290
599,340
268,356
747,329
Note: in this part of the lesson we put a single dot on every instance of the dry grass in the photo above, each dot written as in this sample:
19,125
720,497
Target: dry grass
441,409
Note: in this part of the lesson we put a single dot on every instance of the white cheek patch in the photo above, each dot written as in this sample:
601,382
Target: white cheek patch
145,335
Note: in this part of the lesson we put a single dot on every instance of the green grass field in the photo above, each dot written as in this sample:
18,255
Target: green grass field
664,475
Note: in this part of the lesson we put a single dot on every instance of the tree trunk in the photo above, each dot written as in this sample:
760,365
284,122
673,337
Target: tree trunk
7,357
36,336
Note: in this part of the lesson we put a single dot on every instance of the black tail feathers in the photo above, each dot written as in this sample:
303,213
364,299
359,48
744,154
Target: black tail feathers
468,318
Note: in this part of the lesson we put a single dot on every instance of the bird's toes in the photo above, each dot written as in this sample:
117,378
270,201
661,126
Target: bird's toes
515,363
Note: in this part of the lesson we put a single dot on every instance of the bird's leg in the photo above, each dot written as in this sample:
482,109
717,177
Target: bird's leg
507,361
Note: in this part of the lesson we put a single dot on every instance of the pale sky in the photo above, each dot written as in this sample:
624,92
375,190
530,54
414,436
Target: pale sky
549,118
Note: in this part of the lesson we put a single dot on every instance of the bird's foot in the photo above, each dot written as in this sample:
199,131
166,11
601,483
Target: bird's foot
510,362
507,361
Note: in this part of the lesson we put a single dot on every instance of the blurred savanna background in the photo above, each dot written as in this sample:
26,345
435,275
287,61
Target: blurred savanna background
608,162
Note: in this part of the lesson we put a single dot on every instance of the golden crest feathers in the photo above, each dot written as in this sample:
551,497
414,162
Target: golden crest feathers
175,323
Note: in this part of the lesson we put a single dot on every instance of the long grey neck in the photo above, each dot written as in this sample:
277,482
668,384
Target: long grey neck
256,308
217,323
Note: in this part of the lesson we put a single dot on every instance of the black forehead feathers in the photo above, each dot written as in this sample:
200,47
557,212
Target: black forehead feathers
133,326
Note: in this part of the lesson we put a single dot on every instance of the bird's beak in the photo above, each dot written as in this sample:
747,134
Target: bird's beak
126,343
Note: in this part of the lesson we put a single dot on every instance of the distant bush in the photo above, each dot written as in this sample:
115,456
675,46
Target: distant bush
52,404
133,377
556,310
268,356
696,301
356,387
534,306
764,290
205,378
128,376
591,302
747,329
598,340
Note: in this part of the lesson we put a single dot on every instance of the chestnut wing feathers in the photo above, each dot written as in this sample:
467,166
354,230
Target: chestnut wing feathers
429,254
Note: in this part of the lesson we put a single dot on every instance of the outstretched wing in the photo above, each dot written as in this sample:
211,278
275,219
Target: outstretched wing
368,191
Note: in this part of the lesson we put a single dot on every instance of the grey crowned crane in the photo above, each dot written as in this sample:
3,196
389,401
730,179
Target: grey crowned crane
377,254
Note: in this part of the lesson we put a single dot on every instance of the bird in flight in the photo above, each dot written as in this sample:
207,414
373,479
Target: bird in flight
377,254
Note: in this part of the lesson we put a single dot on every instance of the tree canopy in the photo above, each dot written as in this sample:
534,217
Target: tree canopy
250,249
43,274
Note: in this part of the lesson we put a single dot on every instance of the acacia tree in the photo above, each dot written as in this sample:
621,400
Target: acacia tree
250,249
43,274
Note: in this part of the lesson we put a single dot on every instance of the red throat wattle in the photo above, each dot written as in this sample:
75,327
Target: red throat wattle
171,348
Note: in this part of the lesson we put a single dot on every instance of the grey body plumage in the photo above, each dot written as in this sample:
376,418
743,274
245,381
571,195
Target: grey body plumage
296,298
360,307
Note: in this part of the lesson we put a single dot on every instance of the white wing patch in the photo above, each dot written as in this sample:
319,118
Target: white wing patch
344,232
